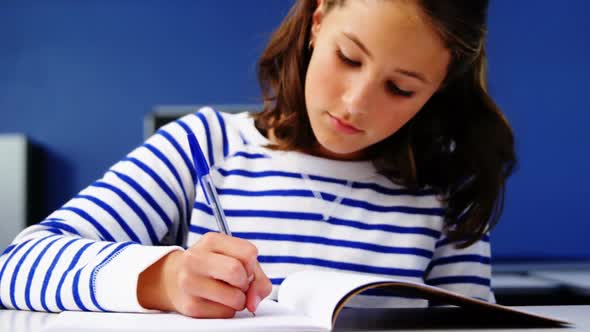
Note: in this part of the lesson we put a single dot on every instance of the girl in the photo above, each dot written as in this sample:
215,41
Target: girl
378,151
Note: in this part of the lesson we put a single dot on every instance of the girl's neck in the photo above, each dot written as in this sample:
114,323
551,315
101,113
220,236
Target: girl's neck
319,151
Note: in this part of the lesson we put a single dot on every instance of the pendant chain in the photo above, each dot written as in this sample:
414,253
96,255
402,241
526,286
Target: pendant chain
336,202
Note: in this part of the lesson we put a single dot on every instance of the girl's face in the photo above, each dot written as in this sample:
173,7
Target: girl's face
374,65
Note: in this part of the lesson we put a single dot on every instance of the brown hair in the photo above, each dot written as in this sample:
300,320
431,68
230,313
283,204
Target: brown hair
459,143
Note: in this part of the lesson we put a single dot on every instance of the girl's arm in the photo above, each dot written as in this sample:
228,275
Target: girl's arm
88,254
466,271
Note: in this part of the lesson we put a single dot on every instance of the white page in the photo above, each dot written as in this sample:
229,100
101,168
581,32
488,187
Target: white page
317,293
270,316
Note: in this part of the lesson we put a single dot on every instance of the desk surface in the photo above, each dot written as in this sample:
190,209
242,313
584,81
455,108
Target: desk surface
578,279
24,321
525,283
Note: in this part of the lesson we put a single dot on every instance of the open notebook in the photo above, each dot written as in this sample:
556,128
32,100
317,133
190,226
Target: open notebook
307,301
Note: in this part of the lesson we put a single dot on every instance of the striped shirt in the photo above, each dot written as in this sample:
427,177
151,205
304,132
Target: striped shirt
301,211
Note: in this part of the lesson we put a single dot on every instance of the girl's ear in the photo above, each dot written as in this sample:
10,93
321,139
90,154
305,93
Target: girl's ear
318,16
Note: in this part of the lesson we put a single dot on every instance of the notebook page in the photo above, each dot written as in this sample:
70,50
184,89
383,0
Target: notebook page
270,316
317,293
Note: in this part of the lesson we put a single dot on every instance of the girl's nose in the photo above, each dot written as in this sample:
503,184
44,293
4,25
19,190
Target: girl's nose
357,97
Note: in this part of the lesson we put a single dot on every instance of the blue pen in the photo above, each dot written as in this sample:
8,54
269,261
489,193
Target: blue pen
207,184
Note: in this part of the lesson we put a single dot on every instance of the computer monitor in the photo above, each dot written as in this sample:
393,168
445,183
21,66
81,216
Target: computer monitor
20,186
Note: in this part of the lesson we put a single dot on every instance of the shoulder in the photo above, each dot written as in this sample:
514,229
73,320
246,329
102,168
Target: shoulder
217,133
223,133
224,123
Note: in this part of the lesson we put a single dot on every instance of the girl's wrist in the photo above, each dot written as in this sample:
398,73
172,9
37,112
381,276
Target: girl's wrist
155,285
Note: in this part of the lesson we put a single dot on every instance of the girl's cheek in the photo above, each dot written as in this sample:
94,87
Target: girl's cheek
334,77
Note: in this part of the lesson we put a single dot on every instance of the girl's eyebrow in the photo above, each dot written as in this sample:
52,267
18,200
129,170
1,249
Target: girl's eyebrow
406,72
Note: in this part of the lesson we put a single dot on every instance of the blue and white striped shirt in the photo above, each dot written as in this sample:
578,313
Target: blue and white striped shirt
88,254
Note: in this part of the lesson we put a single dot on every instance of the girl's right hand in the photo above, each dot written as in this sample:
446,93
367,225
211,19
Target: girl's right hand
216,277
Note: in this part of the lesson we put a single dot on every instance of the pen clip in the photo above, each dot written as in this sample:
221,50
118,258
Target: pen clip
200,164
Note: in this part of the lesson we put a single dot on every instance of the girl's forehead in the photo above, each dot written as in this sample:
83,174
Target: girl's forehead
384,13
395,33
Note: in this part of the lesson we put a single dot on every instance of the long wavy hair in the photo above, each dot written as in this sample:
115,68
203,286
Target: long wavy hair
459,144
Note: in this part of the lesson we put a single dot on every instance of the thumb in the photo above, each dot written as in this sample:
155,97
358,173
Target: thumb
258,290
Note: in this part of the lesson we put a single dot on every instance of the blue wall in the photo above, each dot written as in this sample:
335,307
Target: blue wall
79,76
539,75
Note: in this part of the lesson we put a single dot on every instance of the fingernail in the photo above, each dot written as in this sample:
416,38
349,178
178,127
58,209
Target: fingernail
250,278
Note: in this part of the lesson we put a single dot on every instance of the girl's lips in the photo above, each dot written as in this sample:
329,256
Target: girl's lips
342,126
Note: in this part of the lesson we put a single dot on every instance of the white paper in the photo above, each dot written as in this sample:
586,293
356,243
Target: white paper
270,316
317,293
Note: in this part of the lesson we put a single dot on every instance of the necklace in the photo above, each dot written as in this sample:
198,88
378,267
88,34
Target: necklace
333,204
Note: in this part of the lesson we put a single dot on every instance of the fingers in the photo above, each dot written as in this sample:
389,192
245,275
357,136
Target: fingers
212,290
241,249
218,276
258,290
220,267
203,308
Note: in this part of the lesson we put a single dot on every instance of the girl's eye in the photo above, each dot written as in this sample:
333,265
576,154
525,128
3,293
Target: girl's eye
347,60
393,88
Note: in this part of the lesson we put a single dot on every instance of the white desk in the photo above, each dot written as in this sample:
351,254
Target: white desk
24,321
523,283
549,284
576,279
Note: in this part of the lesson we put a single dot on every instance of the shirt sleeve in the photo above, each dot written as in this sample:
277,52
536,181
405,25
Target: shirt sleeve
466,271
88,254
